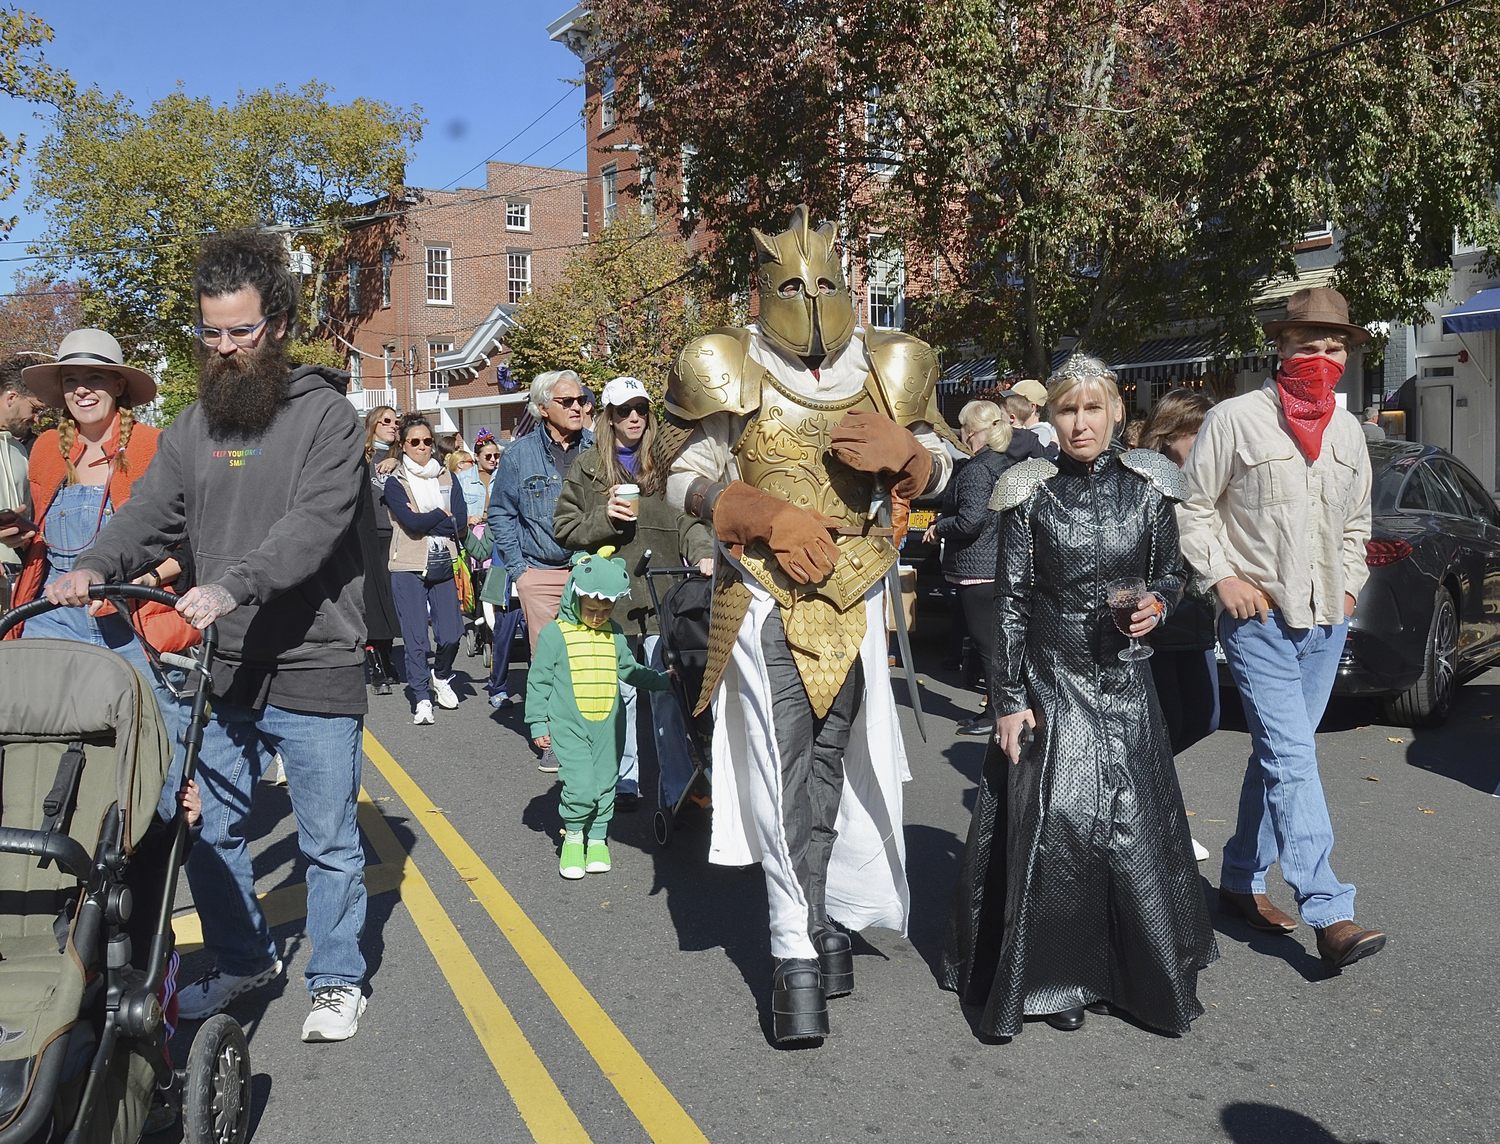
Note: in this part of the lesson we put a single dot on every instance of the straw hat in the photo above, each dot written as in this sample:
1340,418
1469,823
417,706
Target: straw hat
1319,306
94,349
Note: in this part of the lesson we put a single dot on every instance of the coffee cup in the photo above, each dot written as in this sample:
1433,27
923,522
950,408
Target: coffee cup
632,495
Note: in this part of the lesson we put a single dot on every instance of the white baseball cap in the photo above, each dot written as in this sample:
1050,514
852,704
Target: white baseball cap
621,390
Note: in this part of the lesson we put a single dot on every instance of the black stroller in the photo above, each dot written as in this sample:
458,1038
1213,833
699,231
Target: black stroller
83,757
682,618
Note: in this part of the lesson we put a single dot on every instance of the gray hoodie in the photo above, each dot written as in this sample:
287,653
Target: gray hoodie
268,516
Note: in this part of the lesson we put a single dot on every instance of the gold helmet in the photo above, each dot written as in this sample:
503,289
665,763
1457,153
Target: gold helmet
805,307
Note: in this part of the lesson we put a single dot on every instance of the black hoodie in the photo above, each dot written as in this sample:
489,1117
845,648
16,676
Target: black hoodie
268,516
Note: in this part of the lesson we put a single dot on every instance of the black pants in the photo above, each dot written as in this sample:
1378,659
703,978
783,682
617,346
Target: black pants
812,765
978,604
1187,684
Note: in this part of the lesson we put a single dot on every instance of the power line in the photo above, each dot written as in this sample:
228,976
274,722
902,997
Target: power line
513,138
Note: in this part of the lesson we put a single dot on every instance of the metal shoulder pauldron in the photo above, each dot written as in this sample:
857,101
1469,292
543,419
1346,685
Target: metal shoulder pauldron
1160,470
1019,481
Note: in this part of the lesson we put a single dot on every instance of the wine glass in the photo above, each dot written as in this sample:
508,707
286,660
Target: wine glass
1123,598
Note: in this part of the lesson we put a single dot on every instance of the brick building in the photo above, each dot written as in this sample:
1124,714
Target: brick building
426,288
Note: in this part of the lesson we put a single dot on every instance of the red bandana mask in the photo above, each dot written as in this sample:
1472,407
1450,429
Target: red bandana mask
1306,385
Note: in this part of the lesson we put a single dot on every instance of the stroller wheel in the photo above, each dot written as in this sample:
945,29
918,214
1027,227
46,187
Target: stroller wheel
489,654
216,1093
661,826
472,639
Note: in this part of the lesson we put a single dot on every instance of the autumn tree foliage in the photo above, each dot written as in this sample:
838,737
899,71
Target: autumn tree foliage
36,314
1086,167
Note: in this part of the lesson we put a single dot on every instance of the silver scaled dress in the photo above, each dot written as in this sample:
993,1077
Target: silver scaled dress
1078,882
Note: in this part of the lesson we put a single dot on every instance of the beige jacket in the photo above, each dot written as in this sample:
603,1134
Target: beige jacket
1258,511
15,489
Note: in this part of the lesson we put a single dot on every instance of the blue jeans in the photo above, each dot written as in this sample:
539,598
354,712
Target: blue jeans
322,757
113,632
1284,676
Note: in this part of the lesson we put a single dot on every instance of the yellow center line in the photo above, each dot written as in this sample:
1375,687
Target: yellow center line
538,1099
664,1120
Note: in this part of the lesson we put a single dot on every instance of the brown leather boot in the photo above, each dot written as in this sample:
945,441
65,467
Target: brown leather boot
1257,911
1344,943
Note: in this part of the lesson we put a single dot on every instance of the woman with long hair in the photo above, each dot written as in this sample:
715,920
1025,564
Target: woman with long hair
80,474
611,497
1078,887
381,624
429,520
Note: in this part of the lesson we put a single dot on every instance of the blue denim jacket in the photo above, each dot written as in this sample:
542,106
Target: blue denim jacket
523,504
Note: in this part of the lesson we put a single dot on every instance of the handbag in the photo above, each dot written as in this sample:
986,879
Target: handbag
439,566
465,585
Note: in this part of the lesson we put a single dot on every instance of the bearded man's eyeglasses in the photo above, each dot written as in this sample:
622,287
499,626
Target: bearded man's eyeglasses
242,336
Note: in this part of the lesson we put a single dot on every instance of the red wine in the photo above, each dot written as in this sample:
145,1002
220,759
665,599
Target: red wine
1124,606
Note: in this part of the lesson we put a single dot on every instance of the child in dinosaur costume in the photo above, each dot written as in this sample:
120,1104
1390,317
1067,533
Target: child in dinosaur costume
572,704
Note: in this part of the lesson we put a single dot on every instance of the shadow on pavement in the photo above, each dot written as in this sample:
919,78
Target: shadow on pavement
1287,947
1464,749
1249,1123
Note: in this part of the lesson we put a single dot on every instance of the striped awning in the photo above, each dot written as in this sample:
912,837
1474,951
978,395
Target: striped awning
1156,360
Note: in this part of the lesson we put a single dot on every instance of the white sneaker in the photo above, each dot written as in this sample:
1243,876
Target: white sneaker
213,992
1200,851
335,1013
423,715
275,774
443,689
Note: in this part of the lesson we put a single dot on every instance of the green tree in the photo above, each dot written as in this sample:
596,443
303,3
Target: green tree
25,75
625,305
128,196
1093,167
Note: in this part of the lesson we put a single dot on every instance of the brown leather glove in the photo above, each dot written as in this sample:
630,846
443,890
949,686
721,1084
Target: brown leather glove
872,443
799,537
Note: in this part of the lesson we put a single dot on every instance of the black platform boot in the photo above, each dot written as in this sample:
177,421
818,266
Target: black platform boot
836,960
385,671
799,1011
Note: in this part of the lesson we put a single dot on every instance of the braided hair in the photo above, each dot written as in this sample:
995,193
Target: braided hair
67,436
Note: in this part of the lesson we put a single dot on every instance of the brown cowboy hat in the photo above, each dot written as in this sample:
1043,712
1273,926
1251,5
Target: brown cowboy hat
1318,306
92,349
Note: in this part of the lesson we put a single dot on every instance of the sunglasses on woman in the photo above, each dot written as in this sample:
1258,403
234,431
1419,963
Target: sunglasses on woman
639,408
419,442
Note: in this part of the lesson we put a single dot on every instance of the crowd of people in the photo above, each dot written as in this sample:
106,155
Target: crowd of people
1240,525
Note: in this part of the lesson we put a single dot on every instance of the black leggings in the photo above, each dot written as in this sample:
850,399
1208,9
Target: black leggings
978,604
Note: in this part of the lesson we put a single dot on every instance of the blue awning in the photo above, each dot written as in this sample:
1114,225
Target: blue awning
1481,312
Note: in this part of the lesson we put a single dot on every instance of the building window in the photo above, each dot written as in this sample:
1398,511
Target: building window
1315,237
517,216
385,353
518,277
884,282
387,258
648,189
356,370
585,212
354,289
436,380
438,264
609,180
882,136
607,100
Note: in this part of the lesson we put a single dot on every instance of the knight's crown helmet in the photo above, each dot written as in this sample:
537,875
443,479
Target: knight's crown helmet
815,314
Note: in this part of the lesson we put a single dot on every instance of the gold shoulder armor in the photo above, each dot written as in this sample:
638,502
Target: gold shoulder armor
715,374
905,371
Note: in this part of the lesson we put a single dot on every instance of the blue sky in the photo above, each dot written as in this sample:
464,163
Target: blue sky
481,70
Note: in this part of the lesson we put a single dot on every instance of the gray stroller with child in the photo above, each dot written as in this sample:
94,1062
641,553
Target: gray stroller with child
88,875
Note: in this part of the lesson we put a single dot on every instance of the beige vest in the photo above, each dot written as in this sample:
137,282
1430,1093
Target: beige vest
409,549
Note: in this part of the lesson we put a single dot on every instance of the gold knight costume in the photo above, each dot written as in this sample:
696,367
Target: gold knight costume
787,435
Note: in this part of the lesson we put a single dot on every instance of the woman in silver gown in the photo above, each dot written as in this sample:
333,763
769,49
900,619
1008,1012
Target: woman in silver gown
1078,887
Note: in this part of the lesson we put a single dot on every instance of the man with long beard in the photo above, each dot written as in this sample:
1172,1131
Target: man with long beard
262,476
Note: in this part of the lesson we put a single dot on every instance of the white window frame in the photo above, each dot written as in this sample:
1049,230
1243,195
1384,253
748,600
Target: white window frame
386,353
885,285
609,188
689,153
882,155
356,370
436,381
387,260
445,277
585,212
353,296
647,176
517,259
521,211
1322,233
607,99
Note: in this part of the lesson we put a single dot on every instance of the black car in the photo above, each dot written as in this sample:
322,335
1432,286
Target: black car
1429,617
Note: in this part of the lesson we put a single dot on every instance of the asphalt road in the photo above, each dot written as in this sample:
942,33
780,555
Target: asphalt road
640,998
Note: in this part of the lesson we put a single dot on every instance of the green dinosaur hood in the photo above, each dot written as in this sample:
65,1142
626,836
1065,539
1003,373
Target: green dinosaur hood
593,575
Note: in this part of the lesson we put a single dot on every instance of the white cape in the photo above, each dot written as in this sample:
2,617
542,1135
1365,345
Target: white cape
867,873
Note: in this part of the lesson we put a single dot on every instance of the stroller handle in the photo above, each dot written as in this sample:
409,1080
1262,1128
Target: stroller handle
101,592
69,854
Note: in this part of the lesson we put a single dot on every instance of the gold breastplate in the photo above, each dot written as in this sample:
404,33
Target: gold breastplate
784,452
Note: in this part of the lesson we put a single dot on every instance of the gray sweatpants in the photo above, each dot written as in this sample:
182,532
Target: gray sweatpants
812,765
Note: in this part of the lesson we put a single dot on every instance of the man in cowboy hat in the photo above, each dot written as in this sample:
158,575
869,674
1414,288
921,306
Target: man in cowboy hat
1276,519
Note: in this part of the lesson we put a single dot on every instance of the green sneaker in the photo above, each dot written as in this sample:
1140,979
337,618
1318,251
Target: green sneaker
570,865
598,857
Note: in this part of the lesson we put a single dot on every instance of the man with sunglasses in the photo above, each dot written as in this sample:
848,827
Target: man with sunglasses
262,476
524,499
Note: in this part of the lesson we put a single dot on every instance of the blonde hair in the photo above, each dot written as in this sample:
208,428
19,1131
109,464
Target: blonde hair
67,435
987,416
1082,372
456,458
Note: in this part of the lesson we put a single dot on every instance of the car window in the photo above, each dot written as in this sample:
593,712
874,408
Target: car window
1440,495
1415,497
1481,504
1386,488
